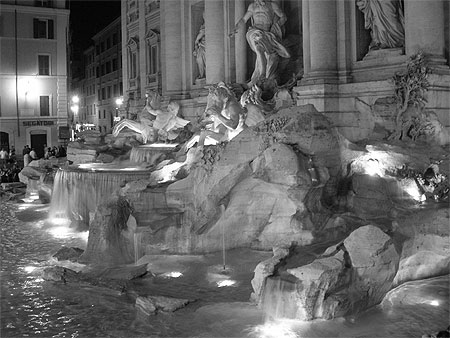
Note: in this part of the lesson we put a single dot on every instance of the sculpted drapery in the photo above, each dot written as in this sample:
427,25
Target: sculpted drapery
385,20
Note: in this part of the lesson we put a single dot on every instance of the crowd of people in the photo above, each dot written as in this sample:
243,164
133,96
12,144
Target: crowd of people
10,166
9,169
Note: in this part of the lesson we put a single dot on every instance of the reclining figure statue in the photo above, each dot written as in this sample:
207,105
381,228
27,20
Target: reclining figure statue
153,122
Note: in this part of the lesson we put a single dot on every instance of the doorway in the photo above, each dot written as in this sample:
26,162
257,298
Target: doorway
4,140
38,141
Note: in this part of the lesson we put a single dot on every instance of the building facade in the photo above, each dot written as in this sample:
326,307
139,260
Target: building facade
331,53
101,85
33,73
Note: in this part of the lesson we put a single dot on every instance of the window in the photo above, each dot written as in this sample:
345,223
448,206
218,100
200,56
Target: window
108,43
152,41
43,3
104,114
108,67
43,29
115,90
114,39
133,46
114,64
153,60
103,93
44,64
109,92
97,49
44,105
98,95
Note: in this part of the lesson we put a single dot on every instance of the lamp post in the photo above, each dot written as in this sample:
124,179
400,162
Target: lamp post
119,102
74,107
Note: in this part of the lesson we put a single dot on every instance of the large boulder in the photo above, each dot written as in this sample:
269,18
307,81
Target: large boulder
111,234
425,245
347,278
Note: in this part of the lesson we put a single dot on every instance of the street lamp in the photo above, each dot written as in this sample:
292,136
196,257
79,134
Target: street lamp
75,107
119,102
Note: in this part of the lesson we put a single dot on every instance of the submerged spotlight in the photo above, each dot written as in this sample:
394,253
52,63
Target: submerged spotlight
172,274
226,282
373,167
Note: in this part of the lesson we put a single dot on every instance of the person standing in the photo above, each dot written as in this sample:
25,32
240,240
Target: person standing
33,155
3,154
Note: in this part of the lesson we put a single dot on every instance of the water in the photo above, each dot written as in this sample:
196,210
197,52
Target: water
79,189
31,306
151,153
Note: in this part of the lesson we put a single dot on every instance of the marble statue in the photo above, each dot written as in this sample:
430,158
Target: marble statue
143,125
264,37
167,123
223,118
153,123
200,52
385,20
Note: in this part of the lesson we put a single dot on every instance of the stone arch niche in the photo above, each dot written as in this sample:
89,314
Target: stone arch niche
197,20
292,40
362,35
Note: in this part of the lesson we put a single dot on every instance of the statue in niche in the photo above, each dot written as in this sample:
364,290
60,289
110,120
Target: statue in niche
264,37
200,51
385,20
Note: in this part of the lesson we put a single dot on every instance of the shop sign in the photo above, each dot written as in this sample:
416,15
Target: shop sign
64,132
38,123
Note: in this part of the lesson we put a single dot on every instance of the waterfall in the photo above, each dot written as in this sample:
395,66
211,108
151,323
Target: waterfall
137,246
77,192
150,153
279,300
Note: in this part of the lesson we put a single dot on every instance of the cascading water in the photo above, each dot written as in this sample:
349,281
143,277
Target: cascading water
278,300
150,153
137,237
78,190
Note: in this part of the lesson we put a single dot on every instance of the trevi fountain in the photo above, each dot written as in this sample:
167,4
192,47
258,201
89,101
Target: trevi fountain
261,217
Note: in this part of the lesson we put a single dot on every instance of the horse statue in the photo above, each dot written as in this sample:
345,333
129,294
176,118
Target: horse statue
222,120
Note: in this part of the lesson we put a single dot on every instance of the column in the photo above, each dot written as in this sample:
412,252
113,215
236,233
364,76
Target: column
214,33
424,27
322,24
240,44
171,46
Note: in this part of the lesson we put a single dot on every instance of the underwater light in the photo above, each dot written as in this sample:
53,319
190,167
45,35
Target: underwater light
59,232
59,221
173,274
413,191
373,168
29,269
434,303
226,282
277,329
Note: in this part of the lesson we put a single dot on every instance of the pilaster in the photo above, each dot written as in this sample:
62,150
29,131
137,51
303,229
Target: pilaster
214,34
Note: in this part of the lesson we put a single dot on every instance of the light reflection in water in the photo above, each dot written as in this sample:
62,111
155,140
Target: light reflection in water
274,329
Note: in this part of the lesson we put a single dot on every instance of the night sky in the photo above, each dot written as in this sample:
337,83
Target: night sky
89,17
